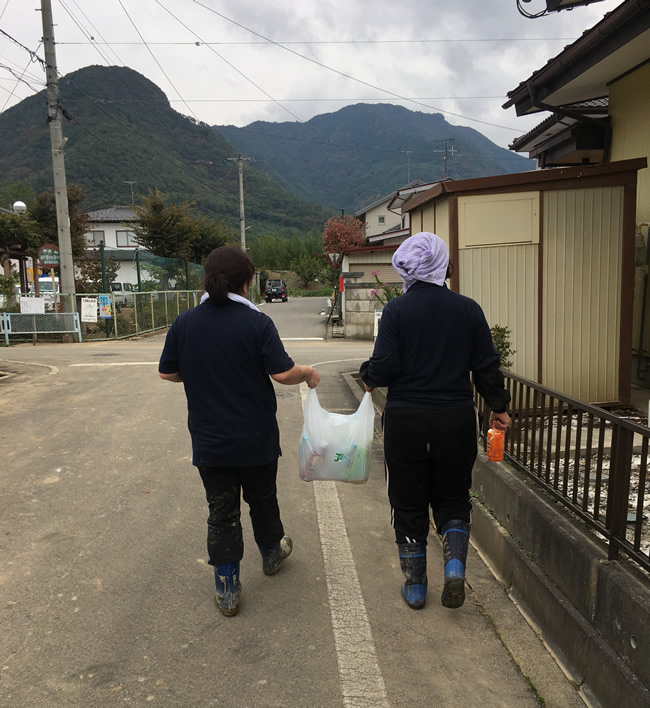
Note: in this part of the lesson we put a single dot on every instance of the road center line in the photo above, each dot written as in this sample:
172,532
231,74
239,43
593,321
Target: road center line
362,684
118,363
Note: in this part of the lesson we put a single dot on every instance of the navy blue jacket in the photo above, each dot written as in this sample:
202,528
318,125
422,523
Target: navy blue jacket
225,354
429,341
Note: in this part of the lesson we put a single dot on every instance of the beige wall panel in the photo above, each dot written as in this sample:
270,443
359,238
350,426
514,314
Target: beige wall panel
498,219
503,280
629,109
442,220
429,220
582,291
367,262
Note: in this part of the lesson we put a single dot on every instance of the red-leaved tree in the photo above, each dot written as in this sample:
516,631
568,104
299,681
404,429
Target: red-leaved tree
342,232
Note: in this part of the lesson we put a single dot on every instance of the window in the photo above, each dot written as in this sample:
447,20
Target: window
94,237
382,219
126,239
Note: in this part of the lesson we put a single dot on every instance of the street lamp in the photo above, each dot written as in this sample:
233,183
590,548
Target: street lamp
19,207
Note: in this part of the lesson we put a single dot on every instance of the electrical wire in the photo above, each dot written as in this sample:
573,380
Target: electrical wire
530,15
19,79
84,31
353,78
352,41
156,60
241,73
3,9
98,33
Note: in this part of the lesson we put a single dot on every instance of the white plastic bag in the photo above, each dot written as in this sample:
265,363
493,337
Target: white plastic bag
334,446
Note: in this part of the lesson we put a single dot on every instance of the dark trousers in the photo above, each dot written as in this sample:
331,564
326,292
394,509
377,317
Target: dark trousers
223,488
429,456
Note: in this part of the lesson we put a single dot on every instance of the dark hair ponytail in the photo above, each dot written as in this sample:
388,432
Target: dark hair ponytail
227,270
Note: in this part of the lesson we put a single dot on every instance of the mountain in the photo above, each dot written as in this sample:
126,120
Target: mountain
350,158
121,128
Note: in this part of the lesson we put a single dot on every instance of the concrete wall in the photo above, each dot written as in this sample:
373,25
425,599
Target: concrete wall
594,614
360,308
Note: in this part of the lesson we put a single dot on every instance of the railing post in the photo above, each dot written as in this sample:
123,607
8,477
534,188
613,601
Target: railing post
619,487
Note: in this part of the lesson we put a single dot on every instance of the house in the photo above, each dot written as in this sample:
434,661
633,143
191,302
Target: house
363,266
111,226
598,93
549,254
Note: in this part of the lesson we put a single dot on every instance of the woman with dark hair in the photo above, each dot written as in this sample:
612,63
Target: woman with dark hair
429,341
224,352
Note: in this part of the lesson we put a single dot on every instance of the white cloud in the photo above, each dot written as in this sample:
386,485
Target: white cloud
427,70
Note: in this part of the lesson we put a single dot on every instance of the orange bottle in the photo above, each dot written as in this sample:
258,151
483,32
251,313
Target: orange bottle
495,442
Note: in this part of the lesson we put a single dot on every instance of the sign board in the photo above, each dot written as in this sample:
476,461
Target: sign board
377,320
89,309
32,305
48,255
105,311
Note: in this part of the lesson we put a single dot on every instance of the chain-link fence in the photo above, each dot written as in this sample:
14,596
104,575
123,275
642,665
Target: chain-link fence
143,312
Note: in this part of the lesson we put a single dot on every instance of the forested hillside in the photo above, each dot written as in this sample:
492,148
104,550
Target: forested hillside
121,128
347,159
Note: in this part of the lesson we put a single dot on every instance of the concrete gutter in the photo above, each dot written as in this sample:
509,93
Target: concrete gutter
591,614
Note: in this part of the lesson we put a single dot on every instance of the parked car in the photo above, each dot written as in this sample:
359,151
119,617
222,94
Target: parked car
123,294
275,290
47,290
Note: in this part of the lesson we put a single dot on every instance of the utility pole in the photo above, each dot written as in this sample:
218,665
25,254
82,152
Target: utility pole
452,151
58,162
132,197
242,222
408,169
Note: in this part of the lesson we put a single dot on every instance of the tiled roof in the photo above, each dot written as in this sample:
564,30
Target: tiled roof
113,214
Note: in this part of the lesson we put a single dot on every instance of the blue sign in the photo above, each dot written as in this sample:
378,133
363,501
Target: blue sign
105,312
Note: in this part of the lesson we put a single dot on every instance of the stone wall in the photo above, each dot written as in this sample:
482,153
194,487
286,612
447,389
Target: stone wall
360,308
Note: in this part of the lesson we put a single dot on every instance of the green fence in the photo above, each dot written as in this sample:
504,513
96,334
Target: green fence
145,312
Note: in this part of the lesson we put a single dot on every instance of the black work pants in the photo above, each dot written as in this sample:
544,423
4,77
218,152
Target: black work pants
429,456
223,488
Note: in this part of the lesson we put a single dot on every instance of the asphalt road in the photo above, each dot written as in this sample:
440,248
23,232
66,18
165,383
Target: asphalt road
107,599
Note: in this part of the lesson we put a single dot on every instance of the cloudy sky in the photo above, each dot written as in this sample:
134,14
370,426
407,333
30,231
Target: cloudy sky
238,61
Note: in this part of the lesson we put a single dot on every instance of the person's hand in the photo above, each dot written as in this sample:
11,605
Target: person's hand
500,421
367,388
313,378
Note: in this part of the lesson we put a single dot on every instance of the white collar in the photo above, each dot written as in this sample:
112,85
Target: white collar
235,298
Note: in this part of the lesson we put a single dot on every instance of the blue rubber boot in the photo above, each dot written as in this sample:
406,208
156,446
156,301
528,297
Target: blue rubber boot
413,561
455,541
226,580
274,556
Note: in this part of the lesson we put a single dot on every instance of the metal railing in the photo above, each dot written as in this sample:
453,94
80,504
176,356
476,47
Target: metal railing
21,324
591,460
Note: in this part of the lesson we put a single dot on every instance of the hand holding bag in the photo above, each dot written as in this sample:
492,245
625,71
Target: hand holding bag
333,446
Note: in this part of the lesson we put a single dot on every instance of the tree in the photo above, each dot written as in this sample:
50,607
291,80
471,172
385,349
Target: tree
19,236
307,267
165,229
88,272
342,232
43,211
208,235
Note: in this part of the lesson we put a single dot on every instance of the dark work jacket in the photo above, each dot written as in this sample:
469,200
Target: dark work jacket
429,341
225,354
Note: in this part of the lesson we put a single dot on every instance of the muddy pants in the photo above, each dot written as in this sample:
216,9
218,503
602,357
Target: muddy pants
223,488
429,456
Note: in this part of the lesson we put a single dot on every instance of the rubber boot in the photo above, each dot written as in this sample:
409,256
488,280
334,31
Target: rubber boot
413,560
455,540
226,580
274,556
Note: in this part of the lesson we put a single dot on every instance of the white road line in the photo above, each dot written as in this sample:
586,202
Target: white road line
119,363
362,684
302,339
53,369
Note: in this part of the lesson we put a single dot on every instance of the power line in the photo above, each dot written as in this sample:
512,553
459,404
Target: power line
3,9
98,33
305,100
349,76
353,41
83,31
241,73
155,59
